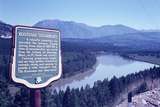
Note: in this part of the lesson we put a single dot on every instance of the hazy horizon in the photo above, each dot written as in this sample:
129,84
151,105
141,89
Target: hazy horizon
138,14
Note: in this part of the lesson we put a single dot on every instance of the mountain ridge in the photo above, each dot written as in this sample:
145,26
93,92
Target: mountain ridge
71,29
79,32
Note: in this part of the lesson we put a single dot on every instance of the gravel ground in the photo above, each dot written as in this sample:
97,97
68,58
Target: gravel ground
146,99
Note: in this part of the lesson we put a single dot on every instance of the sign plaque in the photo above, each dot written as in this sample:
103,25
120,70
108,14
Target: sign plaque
37,56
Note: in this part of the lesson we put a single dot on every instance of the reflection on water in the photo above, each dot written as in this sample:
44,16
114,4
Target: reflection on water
113,60
109,66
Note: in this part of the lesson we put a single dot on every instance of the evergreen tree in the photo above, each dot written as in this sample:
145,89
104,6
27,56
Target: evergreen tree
67,98
22,98
5,97
48,100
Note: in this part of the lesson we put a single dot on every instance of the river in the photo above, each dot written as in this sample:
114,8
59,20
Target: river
107,66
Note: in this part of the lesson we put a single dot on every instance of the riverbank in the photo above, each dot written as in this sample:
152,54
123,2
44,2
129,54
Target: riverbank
61,83
106,67
145,58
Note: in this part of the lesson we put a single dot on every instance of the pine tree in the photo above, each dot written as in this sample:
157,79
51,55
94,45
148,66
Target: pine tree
5,97
22,98
67,98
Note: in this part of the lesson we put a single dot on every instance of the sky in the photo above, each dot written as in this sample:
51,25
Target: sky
140,14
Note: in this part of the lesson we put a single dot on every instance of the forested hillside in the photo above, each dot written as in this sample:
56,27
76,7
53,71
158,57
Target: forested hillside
78,55
103,93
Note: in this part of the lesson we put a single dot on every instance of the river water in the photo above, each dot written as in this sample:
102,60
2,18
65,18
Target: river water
107,67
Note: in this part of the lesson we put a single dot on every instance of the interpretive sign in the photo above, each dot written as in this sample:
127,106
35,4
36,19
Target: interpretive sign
37,56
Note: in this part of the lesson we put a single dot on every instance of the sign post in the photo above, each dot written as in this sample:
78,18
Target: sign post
35,100
36,58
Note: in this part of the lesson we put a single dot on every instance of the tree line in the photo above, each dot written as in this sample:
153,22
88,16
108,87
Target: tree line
103,93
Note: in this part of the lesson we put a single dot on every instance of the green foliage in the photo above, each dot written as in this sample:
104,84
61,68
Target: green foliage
76,62
76,58
22,98
5,97
47,99
105,92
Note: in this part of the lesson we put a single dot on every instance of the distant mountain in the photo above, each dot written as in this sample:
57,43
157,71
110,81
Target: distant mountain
151,30
137,41
133,39
115,35
70,29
